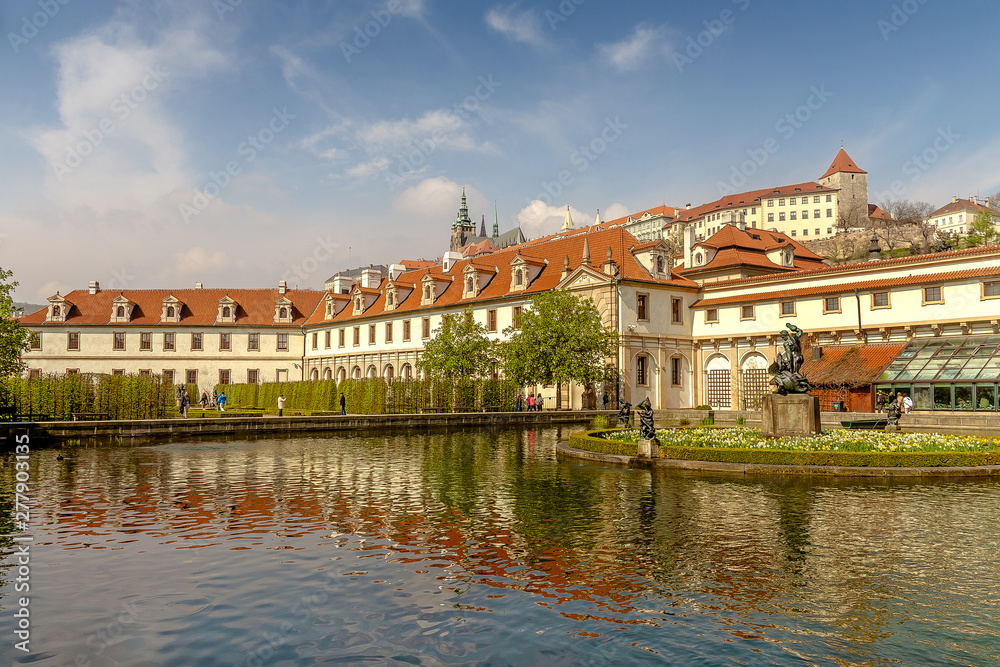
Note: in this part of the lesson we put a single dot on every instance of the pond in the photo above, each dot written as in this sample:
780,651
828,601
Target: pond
483,548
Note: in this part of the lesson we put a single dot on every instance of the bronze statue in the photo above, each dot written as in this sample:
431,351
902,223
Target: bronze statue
785,369
646,429
892,411
625,415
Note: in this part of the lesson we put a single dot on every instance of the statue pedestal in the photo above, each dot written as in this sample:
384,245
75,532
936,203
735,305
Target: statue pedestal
891,428
790,415
649,449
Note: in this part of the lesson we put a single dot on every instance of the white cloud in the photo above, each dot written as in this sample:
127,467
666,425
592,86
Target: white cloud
199,261
520,26
437,200
630,53
614,212
540,219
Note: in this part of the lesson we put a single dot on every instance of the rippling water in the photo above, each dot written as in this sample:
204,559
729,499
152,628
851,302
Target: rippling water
483,548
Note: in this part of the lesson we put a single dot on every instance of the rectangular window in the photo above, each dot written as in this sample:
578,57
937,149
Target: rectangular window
34,373
196,341
118,372
787,308
315,340
816,213
145,372
168,375
388,332
791,201
282,342
224,376
169,342
516,317
326,340
880,299
781,216
676,316
793,232
816,200
253,376
640,307
933,295
829,212
770,202
253,342
72,371
829,230
805,232
829,197
145,341
641,366
371,334
225,343
73,340
791,215
425,328
746,312
34,340
770,217
817,231
805,215
340,338
991,288
675,372
781,202
831,304
119,340
191,378
406,330
491,320
712,315
357,336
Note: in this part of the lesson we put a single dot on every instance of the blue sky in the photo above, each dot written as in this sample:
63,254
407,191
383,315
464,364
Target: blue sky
240,142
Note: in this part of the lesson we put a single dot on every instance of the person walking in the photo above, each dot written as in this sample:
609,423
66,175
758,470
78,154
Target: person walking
185,403
531,402
907,403
520,403
343,404
538,403
281,403
606,400
222,402
204,400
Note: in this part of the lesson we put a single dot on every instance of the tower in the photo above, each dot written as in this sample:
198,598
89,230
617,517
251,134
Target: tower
852,182
463,227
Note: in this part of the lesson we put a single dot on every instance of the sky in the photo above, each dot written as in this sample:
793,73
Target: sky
153,144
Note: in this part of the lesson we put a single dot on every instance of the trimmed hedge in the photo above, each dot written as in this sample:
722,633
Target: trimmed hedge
59,396
593,441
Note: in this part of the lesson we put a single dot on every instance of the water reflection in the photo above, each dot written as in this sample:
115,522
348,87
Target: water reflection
482,547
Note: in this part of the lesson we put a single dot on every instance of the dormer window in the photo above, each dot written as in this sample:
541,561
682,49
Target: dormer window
699,259
227,310
283,311
427,292
121,310
171,311
359,304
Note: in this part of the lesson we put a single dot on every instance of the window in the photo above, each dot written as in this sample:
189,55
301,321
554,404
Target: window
805,232
642,370
145,341
516,317
326,340
933,294
491,320
659,265
34,340
253,376
829,212
791,215
817,231
340,338
640,307
675,372
224,376
831,304
518,278
283,341
406,330
253,342
120,312
73,340
793,232
781,202
425,328
746,312
712,315
196,341
991,289
226,314
119,340
781,216
787,308
34,373
225,342
829,230
357,336
170,312
427,292
815,199
791,201
283,314
371,334
880,299
470,285
169,342
675,310
770,217
118,372
168,375
829,197
191,378
770,202
805,215
315,340
816,214
388,332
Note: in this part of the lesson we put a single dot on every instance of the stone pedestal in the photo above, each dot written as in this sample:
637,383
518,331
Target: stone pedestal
790,415
649,449
891,428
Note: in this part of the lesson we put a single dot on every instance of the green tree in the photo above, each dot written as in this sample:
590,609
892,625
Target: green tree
13,338
560,338
459,348
982,232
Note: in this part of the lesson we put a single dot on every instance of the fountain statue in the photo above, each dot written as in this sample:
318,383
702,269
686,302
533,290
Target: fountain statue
649,444
625,415
785,369
790,410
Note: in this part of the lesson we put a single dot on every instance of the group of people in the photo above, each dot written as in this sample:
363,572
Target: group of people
533,402
902,399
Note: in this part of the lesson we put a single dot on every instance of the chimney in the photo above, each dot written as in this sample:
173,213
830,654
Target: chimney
282,287
198,285
688,207
954,198
973,199
609,263
370,277
395,271
688,242
341,284
95,287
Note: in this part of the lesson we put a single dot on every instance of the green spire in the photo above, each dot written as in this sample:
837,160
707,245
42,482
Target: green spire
496,222
463,219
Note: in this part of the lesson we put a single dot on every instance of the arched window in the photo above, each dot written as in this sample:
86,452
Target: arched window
406,372
518,278
389,298
226,311
56,311
427,292
388,373
328,374
170,311
469,285
356,373
659,265
314,375
121,311
283,313
341,374
372,372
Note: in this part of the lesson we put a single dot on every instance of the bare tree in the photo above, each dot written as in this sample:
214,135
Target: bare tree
902,224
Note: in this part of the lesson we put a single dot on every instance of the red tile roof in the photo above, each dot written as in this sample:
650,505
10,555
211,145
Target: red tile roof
958,205
850,366
201,306
843,162
749,248
751,198
664,210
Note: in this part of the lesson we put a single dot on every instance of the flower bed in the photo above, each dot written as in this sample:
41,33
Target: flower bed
840,447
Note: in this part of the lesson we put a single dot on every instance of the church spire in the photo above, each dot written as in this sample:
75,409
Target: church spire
496,223
463,219
482,227
567,223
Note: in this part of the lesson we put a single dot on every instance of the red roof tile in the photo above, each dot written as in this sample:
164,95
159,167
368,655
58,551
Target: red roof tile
843,162
958,205
850,366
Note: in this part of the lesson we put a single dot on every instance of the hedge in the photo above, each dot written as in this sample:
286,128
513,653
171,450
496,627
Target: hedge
59,396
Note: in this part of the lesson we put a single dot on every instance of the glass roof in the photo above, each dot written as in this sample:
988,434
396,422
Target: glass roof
945,359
